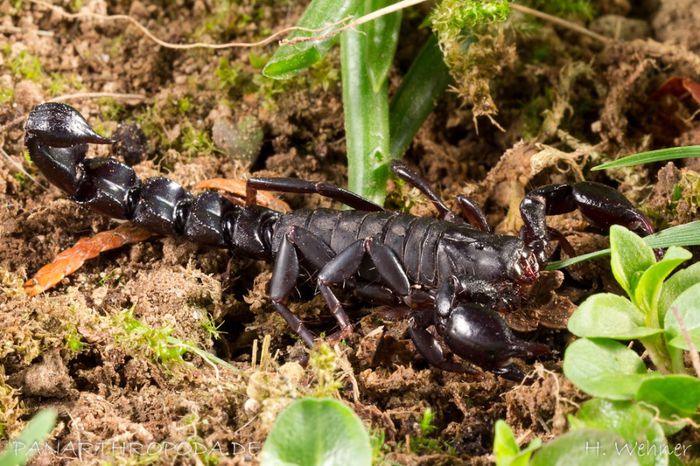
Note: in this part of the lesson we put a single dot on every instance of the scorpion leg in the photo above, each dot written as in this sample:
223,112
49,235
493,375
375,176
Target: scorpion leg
237,190
601,205
293,185
471,212
72,259
284,277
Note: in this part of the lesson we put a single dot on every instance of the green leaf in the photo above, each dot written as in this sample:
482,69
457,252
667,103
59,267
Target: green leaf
290,59
680,235
660,155
687,305
642,435
585,447
611,316
317,431
648,290
604,368
382,37
677,284
366,120
673,395
29,442
425,82
630,257
506,450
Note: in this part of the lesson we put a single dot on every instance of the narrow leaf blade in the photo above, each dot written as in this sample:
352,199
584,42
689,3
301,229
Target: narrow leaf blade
382,38
660,155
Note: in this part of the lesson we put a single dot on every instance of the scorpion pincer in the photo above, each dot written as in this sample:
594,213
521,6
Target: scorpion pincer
451,273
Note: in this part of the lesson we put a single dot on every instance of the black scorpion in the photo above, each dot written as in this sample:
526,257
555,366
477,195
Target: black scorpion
452,273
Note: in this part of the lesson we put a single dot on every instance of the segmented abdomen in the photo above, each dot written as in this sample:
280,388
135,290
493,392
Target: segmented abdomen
413,239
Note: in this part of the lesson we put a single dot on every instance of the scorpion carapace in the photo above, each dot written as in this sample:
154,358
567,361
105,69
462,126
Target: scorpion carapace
450,273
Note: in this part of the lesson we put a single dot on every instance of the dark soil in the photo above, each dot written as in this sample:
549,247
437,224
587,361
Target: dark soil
566,104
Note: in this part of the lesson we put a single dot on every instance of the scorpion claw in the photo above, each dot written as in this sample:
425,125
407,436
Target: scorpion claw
478,334
60,125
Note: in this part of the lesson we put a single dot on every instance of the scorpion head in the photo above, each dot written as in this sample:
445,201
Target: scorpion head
476,256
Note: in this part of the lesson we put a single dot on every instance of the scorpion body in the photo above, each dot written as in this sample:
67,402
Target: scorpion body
451,273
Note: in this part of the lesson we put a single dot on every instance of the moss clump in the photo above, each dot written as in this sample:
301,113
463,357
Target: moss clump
7,95
26,66
473,39
11,409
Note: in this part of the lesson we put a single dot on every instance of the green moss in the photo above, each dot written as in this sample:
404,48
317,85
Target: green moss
184,105
324,365
209,326
59,83
196,141
155,343
570,9
7,95
111,109
74,340
227,73
26,66
473,41
452,17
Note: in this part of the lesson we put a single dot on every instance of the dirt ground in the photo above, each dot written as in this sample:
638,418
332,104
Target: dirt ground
566,103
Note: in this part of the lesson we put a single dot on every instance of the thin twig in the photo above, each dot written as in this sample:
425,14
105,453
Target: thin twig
171,45
97,95
561,22
694,357
357,22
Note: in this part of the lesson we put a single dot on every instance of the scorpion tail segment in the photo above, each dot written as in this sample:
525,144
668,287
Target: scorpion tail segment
480,335
60,125
73,258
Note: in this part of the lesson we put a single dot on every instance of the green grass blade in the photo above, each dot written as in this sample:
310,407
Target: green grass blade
20,450
382,38
366,118
660,155
681,235
290,59
424,83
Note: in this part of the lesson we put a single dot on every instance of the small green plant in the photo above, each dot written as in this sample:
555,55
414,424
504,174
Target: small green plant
317,431
155,343
655,307
506,450
634,406
20,450
424,442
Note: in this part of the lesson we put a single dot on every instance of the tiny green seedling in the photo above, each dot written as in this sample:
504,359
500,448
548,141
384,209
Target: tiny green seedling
506,450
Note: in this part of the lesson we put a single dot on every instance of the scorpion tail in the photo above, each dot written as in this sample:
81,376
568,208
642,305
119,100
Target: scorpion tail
57,138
